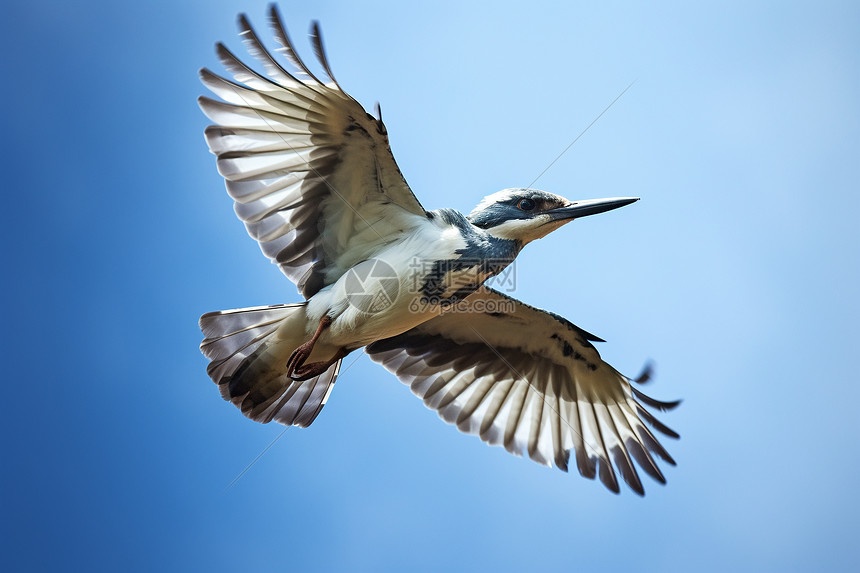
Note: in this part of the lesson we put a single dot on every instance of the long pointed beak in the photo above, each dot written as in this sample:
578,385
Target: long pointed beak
579,209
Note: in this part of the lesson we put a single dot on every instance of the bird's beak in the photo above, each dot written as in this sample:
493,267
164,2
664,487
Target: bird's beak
579,209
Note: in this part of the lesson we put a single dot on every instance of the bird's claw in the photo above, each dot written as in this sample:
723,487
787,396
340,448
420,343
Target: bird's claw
301,372
308,371
298,357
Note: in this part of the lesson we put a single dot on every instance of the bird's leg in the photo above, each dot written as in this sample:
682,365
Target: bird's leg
314,369
300,354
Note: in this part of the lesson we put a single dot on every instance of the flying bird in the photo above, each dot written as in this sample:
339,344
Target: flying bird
314,180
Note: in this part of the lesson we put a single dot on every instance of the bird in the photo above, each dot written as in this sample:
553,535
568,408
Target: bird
313,178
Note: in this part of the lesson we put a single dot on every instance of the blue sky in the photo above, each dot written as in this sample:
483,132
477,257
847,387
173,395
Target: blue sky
737,274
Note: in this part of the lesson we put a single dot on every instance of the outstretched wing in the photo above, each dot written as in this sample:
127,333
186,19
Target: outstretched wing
531,381
311,173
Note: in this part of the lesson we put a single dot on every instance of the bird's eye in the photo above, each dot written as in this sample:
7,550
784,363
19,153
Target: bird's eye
526,205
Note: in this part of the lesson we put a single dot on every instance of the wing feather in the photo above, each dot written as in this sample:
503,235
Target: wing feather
501,393
538,426
319,50
633,444
287,47
518,405
255,47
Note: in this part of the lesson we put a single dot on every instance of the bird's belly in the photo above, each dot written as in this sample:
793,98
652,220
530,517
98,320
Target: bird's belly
355,329
381,309
383,297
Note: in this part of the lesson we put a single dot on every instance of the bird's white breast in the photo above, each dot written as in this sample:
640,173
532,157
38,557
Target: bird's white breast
381,296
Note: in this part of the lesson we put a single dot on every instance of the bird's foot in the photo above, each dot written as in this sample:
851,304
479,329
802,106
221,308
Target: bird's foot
309,371
298,357
303,352
314,369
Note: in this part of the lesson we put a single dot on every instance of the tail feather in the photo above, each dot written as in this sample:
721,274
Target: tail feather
248,349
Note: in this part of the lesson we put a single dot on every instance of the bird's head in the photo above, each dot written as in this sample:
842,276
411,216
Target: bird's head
529,214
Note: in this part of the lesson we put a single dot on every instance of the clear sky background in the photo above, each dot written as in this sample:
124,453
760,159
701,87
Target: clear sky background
737,274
